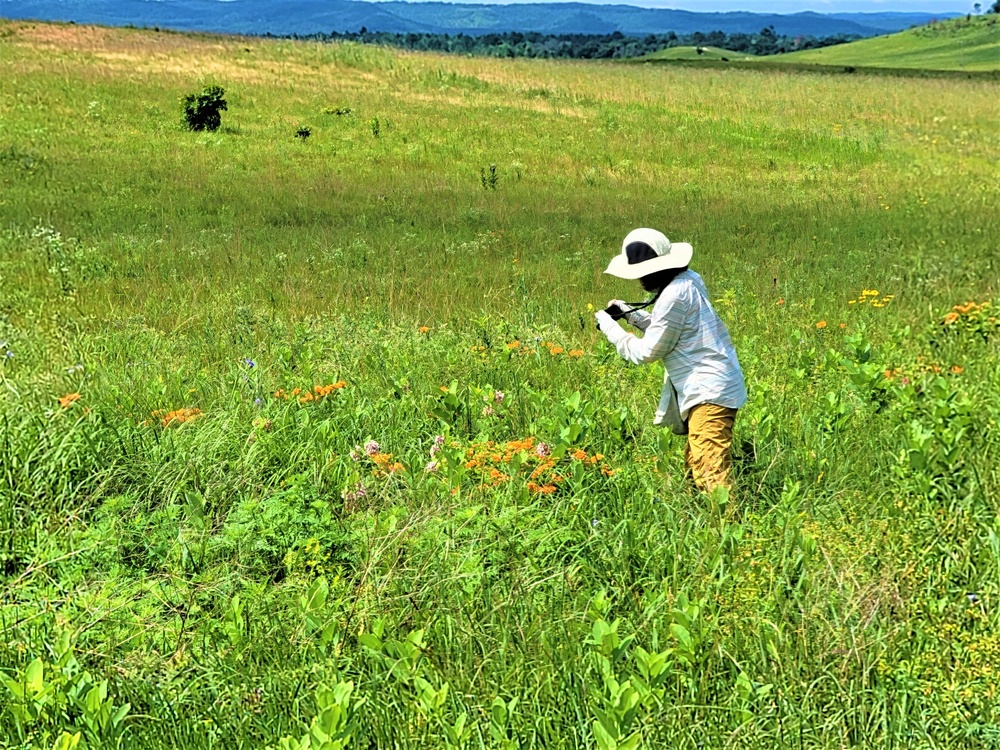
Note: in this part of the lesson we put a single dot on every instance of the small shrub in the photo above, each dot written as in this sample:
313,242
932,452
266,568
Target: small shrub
489,178
376,127
303,132
202,111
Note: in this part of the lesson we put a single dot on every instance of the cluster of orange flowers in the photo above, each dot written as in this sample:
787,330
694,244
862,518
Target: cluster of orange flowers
68,399
969,310
304,397
177,416
485,460
384,465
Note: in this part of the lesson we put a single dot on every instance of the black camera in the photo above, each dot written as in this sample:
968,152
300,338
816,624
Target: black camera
615,312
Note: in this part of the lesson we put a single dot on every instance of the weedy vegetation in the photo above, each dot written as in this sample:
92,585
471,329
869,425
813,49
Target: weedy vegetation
310,442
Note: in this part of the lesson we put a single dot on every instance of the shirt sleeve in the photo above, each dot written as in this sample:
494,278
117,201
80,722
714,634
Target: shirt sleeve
661,333
639,318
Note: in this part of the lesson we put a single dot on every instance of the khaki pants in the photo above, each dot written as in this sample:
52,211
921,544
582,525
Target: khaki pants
708,456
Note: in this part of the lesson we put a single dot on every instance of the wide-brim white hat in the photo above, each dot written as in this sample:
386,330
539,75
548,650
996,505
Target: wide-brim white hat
646,251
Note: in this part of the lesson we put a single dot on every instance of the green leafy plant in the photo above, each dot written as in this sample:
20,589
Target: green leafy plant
203,110
335,723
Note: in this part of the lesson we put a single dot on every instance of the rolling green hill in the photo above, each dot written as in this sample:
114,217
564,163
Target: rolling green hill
691,53
962,44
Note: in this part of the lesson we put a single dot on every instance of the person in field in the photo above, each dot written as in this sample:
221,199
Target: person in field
703,387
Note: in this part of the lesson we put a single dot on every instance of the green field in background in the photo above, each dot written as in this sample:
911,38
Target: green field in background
965,45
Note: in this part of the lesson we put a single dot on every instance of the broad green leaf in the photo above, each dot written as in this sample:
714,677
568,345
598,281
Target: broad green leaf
34,677
682,635
66,741
120,714
604,740
498,709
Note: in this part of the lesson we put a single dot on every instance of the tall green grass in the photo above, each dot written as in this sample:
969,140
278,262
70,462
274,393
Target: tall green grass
218,572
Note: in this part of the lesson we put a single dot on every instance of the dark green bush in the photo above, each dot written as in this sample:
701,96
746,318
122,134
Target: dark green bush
202,111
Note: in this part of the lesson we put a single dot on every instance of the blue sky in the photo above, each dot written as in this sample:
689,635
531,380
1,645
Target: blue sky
786,6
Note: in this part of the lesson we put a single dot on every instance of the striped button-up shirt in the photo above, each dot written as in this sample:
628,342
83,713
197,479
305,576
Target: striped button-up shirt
688,336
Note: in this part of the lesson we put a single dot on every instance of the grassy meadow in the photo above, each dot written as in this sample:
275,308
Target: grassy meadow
311,443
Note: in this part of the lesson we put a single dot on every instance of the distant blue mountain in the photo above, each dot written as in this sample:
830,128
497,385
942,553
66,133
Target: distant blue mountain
311,16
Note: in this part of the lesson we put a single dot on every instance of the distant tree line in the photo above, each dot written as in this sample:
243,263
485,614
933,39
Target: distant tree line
581,46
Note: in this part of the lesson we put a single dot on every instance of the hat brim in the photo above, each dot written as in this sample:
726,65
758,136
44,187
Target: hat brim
680,256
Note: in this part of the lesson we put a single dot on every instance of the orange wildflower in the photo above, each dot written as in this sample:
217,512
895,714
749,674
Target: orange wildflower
326,390
821,325
780,302
576,353
68,399
956,369
556,350
951,318
423,329
513,344
178,416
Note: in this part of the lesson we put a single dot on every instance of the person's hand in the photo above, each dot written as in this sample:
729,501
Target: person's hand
616,309
604,321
